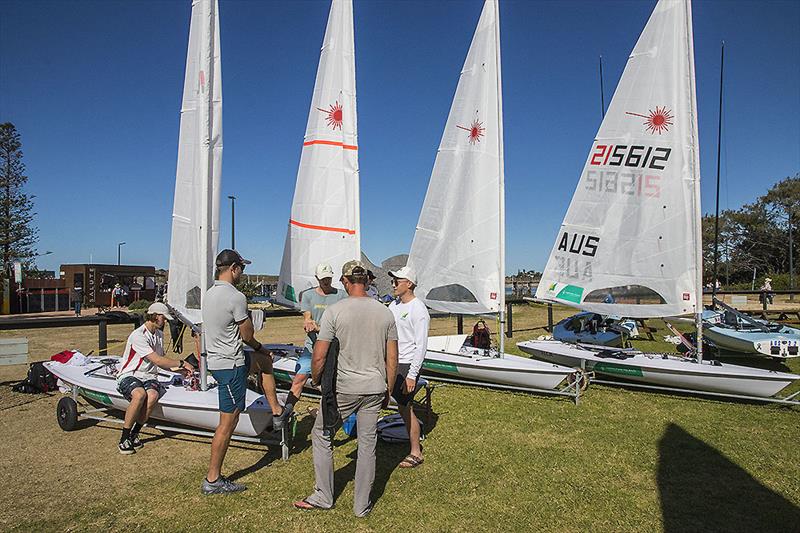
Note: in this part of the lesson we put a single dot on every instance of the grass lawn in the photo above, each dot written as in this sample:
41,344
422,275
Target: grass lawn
623,460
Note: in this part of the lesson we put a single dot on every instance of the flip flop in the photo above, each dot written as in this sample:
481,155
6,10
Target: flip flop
411,461
305,505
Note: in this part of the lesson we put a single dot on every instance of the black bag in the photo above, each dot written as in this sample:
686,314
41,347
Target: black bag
39,380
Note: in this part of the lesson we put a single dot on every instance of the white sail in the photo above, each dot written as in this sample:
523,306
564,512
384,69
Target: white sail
324,222
629,242
458,249
195,213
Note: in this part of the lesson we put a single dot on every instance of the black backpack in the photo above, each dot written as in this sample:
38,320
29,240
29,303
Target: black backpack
39,380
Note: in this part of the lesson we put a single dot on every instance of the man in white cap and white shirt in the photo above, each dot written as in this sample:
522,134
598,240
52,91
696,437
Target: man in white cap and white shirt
137,378
412,320
313,304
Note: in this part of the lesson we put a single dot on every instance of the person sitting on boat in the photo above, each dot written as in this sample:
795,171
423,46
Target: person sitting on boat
137,378
412,319
227,327
313,305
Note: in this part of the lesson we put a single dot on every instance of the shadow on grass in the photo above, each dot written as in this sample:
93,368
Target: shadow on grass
702,490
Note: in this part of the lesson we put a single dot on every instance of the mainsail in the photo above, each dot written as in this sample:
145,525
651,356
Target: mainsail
629,243
195,213
459,248
324,222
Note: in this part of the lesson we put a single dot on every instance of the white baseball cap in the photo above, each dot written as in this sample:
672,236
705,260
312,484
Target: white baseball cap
405,273
324,270
160,309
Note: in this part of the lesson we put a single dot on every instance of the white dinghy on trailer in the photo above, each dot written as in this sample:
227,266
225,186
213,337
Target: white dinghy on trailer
630,243
459,245
195,232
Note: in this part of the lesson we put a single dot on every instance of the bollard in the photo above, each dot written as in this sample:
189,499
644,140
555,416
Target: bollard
102,337
550,318
460,324
509,321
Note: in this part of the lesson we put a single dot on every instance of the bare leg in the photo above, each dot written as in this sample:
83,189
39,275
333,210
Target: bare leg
412,425
137,403
220,442
152,399
261,365
298,383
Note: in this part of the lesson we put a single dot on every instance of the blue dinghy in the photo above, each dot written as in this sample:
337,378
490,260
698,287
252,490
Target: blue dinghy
734,331
594,328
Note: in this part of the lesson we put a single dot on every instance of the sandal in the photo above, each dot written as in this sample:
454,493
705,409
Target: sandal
411,461
305,505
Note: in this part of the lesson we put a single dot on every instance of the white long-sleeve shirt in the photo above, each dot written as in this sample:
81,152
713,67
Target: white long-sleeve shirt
412,320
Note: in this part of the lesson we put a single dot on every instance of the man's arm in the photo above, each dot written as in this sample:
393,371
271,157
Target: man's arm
421,323
318,359
308,324
166,363
247,331
391,363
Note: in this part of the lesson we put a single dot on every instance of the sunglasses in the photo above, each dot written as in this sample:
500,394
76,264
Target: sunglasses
240,265
396,281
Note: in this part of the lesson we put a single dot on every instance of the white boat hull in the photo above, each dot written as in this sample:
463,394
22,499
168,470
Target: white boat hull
665,370
448,356
772,345
197,409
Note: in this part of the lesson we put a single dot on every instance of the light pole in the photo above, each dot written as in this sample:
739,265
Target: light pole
119,252
233,221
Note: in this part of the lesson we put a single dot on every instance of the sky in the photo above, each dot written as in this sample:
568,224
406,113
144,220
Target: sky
94,89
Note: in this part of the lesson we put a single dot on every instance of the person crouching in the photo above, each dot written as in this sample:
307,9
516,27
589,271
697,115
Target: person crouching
137,378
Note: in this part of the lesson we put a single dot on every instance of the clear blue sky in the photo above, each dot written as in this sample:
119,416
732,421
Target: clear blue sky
94,88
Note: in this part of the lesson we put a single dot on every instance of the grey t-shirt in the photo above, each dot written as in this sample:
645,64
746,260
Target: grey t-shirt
316,304
362,326
223,307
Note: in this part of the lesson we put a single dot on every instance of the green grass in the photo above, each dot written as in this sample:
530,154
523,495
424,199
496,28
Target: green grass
622,460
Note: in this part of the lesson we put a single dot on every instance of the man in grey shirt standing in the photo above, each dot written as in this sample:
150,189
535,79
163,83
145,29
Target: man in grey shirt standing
367,364
227,328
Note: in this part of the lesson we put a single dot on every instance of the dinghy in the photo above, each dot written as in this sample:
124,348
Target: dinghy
732,331
195,232
632,235
593,328
458,250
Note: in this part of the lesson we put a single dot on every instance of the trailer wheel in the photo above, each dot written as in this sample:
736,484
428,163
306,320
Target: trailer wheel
580,377
67,413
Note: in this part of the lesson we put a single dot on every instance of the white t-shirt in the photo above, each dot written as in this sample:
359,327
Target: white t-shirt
141,343
412,320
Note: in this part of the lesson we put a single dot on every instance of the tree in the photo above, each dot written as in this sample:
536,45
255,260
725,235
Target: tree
18,235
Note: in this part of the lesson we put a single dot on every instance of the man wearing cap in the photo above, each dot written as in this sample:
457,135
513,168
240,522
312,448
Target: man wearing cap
227,327
137,378
366,366
412,320
313,304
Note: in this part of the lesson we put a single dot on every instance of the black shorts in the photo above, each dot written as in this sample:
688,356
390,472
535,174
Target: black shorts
129,383
399,391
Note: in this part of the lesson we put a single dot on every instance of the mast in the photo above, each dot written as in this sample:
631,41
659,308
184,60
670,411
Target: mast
695,170
719,144
501,195
207,122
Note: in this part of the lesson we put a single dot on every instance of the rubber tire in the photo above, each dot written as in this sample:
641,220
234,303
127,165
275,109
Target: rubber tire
67,413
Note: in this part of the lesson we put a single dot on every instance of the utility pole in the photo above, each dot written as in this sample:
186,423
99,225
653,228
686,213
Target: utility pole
233,222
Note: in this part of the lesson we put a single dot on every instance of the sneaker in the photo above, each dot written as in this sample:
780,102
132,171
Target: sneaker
221,486
281,421
136,442
126,447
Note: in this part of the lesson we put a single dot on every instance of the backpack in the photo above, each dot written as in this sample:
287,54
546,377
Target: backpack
481,336
392,429
39,380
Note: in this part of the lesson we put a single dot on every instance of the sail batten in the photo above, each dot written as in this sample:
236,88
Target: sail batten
457,250
195,214
324,221
630,231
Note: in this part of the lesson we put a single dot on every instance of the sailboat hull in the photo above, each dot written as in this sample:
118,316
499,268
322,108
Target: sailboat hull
781,345
664,370
196,409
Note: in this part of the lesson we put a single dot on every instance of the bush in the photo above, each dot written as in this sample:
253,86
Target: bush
140,305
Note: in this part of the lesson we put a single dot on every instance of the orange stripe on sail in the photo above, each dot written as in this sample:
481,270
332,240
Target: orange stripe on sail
331,143
322,228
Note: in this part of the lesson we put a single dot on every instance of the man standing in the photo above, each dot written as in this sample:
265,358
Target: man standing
412,319
367,364
76,295
227,328
313,305
137,378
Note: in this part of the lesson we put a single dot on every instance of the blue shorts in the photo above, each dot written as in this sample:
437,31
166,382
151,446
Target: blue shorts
232,386
127,385
303,365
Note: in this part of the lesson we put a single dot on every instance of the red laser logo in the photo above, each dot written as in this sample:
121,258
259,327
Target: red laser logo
475,131
657,121
334,118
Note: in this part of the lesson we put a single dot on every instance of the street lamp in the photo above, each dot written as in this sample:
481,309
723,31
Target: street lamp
233,221
119,253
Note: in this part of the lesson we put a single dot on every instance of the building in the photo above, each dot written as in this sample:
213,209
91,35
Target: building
97,282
